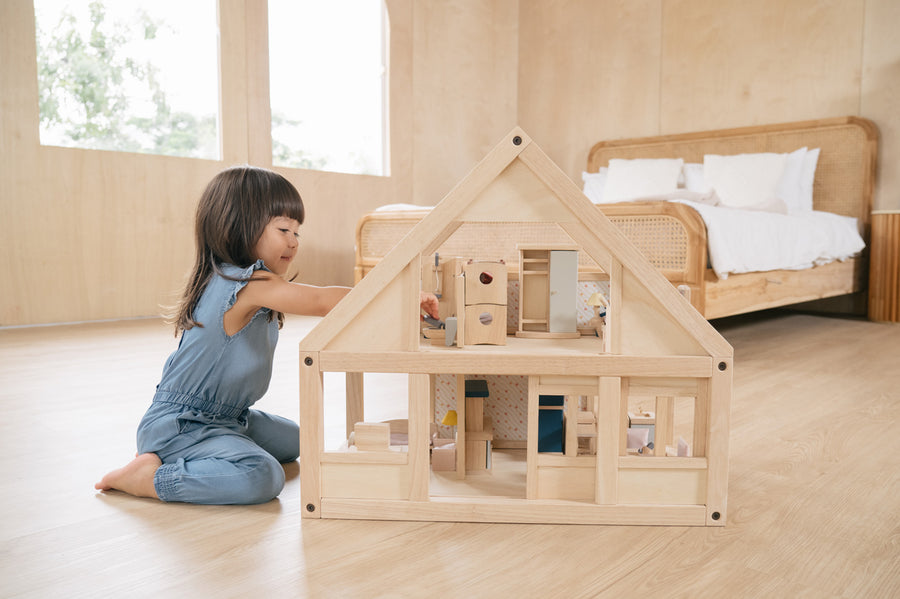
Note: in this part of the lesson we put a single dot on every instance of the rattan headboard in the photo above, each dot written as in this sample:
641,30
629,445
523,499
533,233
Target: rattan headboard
845,173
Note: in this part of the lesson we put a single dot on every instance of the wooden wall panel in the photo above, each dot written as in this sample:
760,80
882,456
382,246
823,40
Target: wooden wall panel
90,235
728,63
465,73
18,145
116,235
884,272
881,95
609,69
588,71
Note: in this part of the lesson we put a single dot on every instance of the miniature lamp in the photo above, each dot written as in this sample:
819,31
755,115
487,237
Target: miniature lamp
450,418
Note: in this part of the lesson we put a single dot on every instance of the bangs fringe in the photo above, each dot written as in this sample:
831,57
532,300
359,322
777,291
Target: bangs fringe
286,201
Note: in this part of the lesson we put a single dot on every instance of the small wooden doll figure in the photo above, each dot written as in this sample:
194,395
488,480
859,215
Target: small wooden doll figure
598,322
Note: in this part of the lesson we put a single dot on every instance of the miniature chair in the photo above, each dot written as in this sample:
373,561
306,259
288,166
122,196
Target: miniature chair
443,454
587,431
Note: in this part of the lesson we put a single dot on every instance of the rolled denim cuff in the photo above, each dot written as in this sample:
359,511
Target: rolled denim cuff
165,482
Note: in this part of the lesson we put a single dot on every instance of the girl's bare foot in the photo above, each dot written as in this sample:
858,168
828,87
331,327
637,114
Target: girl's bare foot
135,478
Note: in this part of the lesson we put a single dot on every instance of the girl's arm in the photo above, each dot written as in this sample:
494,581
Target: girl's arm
271,291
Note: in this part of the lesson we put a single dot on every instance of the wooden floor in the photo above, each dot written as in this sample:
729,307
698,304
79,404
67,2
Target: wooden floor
814,489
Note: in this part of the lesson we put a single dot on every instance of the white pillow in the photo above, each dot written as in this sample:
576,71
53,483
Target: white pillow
744,180
641,177
789,188
807,175
594,183
693,177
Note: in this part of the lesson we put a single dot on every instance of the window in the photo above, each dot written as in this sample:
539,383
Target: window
129,75
327,73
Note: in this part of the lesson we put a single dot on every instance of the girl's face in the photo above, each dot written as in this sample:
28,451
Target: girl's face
278,243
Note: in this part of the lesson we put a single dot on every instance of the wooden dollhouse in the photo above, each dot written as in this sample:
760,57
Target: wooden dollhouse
655,348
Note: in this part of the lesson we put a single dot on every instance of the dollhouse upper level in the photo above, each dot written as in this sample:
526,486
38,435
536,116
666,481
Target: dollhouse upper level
514,192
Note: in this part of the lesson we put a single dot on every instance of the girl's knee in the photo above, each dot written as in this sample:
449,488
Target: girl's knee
265,480
278,436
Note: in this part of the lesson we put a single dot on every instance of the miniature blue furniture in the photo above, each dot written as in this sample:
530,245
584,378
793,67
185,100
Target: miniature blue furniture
550,423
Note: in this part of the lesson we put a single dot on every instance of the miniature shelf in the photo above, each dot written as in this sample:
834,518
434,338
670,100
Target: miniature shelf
549,275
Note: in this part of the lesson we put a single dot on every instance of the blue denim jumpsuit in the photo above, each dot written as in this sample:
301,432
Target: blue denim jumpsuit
214,448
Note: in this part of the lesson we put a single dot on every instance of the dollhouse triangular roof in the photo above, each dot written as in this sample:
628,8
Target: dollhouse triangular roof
518,183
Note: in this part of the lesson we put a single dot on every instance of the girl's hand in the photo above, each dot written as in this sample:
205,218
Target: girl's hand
429,304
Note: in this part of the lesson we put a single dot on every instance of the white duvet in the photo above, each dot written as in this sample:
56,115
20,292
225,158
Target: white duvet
753,240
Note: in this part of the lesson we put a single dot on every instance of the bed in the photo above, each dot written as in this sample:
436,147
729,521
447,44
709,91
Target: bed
674,229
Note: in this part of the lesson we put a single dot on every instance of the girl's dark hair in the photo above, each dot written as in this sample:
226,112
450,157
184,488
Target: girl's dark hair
233,211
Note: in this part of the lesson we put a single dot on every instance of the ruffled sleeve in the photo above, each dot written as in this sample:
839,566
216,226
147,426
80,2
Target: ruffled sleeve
240,276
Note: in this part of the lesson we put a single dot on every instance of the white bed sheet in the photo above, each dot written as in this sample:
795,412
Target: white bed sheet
752,240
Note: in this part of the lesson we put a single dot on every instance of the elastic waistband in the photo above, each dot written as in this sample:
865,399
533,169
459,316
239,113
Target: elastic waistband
203,404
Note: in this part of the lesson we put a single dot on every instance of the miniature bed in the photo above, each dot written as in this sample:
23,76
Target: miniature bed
577,384
674,235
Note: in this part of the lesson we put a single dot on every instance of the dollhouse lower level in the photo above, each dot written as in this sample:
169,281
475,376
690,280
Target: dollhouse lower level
592,477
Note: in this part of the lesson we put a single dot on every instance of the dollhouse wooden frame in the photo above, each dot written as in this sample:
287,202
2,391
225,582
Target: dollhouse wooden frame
654,344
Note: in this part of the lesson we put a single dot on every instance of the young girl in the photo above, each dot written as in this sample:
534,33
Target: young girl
199,441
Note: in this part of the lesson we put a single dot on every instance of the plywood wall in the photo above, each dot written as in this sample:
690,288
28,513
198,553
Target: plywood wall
730,63
607,69
88,235
588,69
880,95
465,68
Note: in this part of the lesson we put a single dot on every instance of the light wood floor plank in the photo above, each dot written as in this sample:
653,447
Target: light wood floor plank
814,487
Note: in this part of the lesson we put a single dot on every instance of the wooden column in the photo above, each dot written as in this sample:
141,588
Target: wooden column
419,398
355,388
665,421
460,425
884,269
233,85
531,452
312,438
701,419
608,424
719,411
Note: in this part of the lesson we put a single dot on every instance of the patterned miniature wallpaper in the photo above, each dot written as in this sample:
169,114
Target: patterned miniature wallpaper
507,404
585,312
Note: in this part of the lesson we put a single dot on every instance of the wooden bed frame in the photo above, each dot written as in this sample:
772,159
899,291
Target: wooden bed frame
673,236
